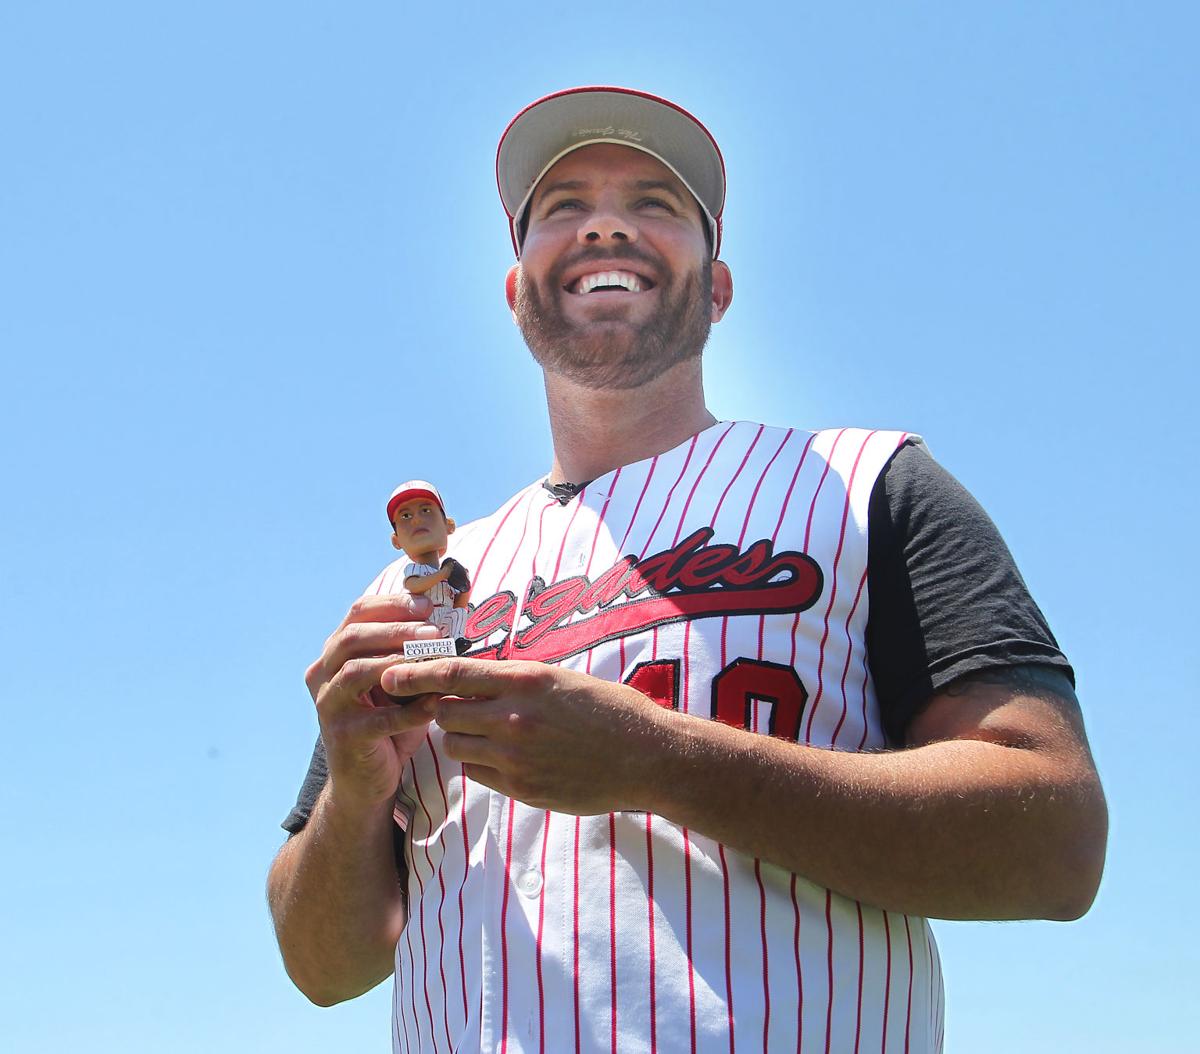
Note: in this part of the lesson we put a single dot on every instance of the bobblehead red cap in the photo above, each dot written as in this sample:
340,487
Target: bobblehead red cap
414,488
549,129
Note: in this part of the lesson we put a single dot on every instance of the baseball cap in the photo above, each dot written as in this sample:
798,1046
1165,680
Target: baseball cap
414,488
549,129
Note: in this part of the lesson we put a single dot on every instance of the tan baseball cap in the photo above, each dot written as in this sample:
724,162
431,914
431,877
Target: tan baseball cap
549,129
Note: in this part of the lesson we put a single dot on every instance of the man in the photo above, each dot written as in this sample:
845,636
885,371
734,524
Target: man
770,698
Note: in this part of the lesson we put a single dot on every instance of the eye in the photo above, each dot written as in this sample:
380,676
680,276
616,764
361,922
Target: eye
566,203
655,203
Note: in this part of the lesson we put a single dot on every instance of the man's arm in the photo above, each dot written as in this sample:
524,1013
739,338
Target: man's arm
333,888
336,900
994,811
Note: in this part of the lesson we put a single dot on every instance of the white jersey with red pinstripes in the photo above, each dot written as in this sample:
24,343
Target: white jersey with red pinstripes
727,578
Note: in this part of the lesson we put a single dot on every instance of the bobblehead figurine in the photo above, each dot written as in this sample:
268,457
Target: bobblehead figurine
421,529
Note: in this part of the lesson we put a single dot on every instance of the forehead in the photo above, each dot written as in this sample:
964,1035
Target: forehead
608,163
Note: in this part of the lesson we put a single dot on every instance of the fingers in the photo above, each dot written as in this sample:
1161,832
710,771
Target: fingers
374,626
473,750
359,639
388,607
350,687
469,678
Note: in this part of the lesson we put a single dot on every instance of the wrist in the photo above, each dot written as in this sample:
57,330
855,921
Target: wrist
354,813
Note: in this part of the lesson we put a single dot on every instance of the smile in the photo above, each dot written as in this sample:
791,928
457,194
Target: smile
609,282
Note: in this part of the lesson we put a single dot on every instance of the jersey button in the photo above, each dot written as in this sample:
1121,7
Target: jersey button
530,882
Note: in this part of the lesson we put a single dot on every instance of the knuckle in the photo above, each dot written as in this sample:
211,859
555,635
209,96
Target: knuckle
355,669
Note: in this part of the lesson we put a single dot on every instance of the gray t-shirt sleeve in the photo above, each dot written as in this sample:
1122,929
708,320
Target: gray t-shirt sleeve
946,598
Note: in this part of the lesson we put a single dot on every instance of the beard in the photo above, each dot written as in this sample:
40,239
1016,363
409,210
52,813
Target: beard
609,351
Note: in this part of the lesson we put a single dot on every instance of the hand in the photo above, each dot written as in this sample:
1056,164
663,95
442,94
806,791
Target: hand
368,737
550,737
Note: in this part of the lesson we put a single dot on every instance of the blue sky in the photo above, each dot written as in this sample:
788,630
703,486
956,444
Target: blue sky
231,235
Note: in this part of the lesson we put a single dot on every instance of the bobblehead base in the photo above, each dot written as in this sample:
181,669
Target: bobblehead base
419,650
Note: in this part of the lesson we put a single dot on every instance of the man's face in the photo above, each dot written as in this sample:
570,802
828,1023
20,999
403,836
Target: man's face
615,284
420,527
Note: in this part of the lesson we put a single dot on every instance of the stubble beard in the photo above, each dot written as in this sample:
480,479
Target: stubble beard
610,352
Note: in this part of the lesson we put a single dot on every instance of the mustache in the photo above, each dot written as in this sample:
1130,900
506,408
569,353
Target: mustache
622,252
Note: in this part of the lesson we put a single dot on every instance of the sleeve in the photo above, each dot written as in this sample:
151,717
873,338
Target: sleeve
310,789
946,598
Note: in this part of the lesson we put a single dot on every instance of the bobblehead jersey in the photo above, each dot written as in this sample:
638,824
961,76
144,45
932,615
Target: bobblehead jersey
725,578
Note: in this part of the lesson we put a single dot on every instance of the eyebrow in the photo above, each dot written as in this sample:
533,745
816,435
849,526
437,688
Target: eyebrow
582,184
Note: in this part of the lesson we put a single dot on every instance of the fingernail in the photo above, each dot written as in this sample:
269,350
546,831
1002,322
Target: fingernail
421,605
427,632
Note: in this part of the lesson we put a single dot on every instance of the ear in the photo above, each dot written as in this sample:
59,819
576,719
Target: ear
511,281
449,525
395,541
722,289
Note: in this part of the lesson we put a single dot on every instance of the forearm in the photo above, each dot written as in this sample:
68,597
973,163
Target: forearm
963,829
336,901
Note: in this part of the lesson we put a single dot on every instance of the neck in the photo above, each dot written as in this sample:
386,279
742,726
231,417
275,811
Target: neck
597,431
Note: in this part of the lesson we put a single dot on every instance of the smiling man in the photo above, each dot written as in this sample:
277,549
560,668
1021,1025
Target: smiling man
769,698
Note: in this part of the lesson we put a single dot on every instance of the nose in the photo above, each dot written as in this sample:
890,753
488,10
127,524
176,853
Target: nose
607,224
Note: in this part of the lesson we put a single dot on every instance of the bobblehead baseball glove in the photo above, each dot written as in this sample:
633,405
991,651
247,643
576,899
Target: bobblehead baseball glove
458,580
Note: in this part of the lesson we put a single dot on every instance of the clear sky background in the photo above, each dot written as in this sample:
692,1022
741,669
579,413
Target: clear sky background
234,238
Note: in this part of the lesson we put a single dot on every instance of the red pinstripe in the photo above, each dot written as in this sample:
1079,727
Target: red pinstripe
687,862
507,649
650,923
866,675
812,508
733,478
541,920
527,493
699,476
667,504
908,1012
508,846
799,972
462,813
546,823
720,847
645,487
861,956
397,995
588,669
612,818
762,925
412,974
437,768
462,822
728,972
757,486
829,967
849,654
504,929
575,963
932,1000
612,920
837,556
887,983
421,916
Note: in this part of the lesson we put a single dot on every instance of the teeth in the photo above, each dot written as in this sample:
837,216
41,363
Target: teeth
623,279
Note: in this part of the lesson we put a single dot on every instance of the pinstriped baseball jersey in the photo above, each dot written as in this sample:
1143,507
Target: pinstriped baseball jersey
725,578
